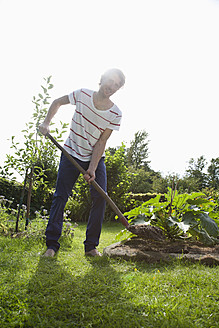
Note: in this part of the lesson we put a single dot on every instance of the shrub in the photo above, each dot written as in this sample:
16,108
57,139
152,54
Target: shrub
12,190
118,183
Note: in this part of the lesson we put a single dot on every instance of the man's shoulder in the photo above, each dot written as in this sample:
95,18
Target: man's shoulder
86,92
115,109
83,92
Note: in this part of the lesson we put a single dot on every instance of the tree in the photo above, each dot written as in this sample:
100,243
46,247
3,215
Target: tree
141,182
160,184
213,173
137,154
118,176
36,157
196,178
35,150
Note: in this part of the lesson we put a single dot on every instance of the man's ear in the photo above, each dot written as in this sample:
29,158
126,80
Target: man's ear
101,80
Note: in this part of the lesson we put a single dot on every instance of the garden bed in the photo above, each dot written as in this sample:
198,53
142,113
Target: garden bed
152,251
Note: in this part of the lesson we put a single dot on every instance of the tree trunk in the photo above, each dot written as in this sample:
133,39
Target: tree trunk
29,197
21,201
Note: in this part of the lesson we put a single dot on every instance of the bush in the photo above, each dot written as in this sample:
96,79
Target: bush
141,181
118,180
80,202
118,183
12,190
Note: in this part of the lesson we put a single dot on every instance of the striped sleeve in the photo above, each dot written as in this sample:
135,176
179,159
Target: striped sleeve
72,97
116,122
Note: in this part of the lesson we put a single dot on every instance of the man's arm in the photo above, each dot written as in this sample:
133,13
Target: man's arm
96,155
44,127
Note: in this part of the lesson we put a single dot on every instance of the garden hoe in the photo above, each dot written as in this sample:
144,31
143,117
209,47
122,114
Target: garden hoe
94,184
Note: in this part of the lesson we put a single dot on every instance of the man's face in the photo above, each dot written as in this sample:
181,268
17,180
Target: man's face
110,84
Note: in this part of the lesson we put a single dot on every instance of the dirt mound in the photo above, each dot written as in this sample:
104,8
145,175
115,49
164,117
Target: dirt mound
154,248
147,232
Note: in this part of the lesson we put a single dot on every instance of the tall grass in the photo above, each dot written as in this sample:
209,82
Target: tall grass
72,290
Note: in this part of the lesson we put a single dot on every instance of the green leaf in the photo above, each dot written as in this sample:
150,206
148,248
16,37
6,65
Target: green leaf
48,79
203,236
44,89
189,219
124,235
209,224
198,201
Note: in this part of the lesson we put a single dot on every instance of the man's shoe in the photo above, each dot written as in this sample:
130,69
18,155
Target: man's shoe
49,253
93,252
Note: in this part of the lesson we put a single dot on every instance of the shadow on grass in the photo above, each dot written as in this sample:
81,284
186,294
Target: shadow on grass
58,297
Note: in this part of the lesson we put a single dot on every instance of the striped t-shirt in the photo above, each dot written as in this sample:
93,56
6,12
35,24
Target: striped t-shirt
88,123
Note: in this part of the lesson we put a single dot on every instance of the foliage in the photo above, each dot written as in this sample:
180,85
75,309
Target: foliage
12,190
179,215
198,177
36,159
159,184
118,180
36,151
7,215
213,173
195,173
137,154
37,225
79,203
141,198
142,180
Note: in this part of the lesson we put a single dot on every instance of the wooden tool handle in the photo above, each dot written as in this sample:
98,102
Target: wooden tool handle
94,183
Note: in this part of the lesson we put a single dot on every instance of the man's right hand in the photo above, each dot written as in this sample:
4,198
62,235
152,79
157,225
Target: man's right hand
44,128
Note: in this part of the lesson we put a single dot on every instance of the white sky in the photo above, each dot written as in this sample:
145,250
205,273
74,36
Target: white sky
168,50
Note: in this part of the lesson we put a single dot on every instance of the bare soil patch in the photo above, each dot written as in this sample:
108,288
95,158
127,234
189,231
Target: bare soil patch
151,246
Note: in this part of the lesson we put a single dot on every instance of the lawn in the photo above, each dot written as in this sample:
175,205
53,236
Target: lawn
72,290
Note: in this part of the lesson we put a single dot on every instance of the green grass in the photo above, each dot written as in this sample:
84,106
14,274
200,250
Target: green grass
72,290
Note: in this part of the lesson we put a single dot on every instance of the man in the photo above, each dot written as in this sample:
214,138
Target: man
95,117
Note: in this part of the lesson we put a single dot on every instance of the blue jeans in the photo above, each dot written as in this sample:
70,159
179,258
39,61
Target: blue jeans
66,178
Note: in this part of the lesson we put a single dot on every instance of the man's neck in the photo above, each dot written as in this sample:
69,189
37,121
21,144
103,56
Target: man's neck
101,101
100,96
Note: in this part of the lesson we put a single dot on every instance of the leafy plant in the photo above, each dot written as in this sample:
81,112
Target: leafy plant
7,215
36,227
35,150
79,203
179,216
118,179
36,158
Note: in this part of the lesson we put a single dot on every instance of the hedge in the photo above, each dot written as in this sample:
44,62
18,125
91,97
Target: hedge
41,199
12,190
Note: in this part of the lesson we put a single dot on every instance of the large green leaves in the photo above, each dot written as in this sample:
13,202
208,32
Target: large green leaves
208,224
190,214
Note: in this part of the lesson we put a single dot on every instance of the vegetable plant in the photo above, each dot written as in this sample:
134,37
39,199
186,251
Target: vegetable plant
180,216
